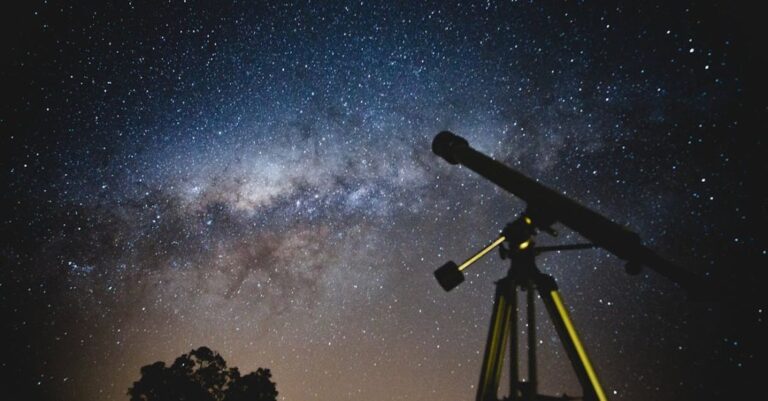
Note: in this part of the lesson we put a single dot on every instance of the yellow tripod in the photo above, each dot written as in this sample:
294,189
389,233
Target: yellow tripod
503,332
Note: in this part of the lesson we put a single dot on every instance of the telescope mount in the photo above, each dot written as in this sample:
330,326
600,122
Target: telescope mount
516,243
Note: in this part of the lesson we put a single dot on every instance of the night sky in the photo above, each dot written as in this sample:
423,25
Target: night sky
258,179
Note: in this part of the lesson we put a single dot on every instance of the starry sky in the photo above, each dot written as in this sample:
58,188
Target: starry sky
257,178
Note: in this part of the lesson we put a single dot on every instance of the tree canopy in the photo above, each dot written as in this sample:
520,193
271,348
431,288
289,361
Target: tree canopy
201,375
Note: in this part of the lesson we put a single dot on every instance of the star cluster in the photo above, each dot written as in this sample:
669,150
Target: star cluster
257,178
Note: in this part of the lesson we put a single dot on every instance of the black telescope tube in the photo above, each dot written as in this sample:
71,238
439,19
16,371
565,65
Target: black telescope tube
601,231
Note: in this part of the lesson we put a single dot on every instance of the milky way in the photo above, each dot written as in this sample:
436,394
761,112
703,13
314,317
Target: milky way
258,179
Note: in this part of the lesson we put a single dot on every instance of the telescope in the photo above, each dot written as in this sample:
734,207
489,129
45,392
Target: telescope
546,207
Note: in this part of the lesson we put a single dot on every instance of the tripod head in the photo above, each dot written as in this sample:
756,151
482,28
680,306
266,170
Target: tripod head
516,238
519,233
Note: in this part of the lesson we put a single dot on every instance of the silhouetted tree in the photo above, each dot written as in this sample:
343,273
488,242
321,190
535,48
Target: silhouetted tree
254,386
201,375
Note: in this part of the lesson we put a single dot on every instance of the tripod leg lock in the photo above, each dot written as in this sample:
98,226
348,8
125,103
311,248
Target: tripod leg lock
545,283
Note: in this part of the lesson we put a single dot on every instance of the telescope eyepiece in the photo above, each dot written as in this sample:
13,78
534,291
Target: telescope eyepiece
445,143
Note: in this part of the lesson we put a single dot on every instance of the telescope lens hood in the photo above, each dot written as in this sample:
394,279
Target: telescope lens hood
445,143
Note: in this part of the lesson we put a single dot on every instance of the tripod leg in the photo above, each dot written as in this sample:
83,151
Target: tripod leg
503,307
531,317
570,339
